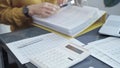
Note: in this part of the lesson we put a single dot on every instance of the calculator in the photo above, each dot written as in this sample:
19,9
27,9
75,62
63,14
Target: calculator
60,57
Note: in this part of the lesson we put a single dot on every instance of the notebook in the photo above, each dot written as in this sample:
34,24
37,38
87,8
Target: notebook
111,26
27,49
70,20
106,50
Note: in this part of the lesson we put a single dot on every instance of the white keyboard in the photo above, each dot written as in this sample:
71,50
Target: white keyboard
60,57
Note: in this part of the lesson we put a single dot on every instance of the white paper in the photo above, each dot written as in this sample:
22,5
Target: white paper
22,51
70,20
106,50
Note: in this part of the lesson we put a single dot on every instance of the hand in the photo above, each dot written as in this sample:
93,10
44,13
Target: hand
61,1
43,10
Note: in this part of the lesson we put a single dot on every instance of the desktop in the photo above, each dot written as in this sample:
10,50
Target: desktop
34,31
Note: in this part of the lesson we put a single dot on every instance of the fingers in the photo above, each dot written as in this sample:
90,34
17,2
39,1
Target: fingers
48,9
43,9
61,1
46,12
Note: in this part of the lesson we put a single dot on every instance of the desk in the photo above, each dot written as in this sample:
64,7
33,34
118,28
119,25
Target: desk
34,31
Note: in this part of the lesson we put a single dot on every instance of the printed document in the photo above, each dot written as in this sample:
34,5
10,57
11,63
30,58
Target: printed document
106,50
25,48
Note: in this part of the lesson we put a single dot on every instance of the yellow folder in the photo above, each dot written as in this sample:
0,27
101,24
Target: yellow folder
95,25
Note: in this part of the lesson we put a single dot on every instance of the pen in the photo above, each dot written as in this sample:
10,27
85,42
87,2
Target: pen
66,4
63,5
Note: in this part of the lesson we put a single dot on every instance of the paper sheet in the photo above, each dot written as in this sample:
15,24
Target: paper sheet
106,50
29,47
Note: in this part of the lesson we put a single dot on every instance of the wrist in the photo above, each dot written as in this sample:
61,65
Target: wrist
27,11
30,13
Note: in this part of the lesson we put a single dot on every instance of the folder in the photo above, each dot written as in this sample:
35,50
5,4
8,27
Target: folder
95,24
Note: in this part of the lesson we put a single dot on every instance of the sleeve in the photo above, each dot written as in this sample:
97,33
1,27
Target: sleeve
12,15
51,1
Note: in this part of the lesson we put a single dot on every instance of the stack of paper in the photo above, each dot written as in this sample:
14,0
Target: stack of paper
70,20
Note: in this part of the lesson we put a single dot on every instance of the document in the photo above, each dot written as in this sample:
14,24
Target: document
106,50
24,49
70,20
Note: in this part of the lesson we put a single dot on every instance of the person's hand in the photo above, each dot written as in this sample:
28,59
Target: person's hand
43,10
61,2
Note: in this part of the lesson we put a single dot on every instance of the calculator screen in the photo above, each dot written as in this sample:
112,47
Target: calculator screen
74,49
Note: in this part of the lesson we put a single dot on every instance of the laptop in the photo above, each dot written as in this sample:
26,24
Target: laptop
111,26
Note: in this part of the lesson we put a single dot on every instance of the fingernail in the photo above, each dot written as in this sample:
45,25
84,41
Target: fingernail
54,9
56,6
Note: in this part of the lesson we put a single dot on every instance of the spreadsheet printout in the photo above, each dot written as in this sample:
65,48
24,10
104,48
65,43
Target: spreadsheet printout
25,48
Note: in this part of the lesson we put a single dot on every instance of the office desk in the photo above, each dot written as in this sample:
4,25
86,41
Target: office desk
90,62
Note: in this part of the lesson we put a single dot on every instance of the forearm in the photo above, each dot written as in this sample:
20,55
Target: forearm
14,16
